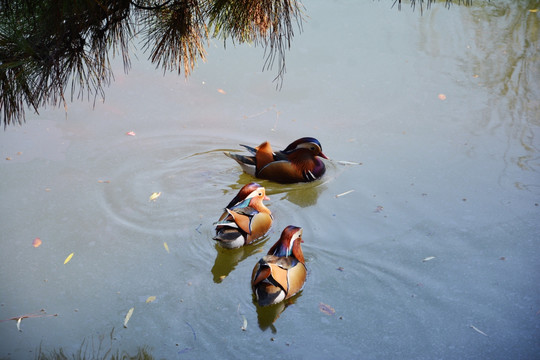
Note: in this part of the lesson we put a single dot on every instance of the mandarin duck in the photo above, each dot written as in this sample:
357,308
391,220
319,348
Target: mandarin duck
298,162
282,272
245,218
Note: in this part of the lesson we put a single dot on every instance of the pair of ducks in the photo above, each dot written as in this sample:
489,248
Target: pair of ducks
281,273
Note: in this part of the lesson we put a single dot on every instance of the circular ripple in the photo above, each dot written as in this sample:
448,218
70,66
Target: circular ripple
186,173
192,174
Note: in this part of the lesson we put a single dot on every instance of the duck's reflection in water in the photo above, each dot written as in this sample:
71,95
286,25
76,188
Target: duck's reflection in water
267,315
227,259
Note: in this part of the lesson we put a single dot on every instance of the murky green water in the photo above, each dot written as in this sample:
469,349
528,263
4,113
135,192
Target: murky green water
434,254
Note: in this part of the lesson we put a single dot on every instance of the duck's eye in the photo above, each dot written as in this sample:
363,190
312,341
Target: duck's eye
260,194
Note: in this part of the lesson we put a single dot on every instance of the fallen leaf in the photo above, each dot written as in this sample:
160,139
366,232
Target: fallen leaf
345,193
442,97
104,181
150,299
378,209
19,324
166,247
36,242
327,309
155,195
478,330
344,162
130,133
68,258
244,325
428,258
221,91
533,10
128,316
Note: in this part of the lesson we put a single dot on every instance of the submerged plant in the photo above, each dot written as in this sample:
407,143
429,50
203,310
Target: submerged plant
94,351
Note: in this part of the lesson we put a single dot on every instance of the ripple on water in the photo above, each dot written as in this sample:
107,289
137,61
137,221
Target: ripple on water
174,166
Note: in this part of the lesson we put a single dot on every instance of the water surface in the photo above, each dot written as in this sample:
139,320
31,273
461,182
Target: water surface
434,254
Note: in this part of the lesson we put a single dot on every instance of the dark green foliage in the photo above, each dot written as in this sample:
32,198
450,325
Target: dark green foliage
46,44
50,47
427,3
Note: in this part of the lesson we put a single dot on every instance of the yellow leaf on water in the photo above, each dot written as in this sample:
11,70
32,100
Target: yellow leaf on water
128,316
68,258
428,258
155,195
150,299
19,324
244,324
166,247
36,242
533,10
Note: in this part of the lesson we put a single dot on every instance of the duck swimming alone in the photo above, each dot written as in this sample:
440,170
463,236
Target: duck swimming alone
298,162
245,218
282,273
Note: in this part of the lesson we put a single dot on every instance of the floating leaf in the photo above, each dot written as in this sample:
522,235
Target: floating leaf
344,162
19,324
128,316
428,258
345,193
378,209
36,242
478,330
68,258
221,91
244,325
130,133
442,97
327,309
533,10
155,195
166,247
150,299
